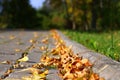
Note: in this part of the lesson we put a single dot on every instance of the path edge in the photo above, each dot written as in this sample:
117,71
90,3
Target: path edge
104,66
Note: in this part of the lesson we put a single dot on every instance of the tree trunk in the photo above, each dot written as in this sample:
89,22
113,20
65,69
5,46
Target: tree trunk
73,25
68,21
73,18
85,21
94,14
94,20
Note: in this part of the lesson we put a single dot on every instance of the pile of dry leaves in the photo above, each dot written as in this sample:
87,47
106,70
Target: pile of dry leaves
70,65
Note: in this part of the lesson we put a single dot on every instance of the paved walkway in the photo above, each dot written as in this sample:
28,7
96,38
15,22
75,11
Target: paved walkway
14,43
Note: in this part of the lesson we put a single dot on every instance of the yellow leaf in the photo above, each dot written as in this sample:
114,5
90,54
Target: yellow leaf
12,37
45,40
84,61
68,1
70,10
17,50
23,59
6,62
32,41
38,75
43,48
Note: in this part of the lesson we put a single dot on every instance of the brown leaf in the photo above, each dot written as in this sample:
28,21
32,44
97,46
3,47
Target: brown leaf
45,40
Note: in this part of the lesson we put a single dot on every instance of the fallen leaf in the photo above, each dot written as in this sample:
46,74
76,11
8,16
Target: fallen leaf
23,59
43,48
45,40
6,62
18,50
12,37
32,41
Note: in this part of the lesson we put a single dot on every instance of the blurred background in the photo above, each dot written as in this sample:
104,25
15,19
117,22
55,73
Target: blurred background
93,23
81,15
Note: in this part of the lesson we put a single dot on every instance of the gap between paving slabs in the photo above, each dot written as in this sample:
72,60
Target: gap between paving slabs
104,66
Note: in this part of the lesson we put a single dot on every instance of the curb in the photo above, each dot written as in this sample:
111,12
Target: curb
104,66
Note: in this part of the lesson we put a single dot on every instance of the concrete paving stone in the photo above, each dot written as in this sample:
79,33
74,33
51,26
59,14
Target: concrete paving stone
116,76
18,75
53,74
34,57
107,72
3,68
9,57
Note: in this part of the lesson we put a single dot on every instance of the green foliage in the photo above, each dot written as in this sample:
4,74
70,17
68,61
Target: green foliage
61,14
88,14
18,14
50,19
99,42
58,20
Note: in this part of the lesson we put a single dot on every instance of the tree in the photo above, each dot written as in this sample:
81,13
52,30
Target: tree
110,14
95,4
19,13
75,11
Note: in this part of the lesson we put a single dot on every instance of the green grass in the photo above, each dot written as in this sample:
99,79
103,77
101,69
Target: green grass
99,42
